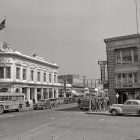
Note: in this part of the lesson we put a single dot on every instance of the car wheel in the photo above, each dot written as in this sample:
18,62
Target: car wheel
34,108
19,108
113,112
1,109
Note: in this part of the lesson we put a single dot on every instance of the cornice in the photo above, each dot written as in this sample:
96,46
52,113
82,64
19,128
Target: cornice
28,58
122,38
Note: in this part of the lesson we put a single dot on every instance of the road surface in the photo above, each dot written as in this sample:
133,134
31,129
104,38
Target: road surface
67,122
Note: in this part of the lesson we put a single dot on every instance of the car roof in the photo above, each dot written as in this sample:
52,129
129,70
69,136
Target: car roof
134,100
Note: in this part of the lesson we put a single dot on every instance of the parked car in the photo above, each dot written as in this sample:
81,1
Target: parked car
84,104
54,102
42,104
60,101
129,107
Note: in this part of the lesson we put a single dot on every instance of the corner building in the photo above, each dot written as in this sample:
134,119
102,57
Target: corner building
33,76
123,62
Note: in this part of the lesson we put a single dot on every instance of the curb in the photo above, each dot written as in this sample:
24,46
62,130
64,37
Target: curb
98,113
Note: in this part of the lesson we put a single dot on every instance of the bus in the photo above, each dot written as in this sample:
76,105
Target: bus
11,101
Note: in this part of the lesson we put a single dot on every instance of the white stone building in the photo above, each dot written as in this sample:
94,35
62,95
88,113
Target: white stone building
33,76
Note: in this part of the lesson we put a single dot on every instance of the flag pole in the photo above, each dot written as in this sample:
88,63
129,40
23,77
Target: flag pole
137,17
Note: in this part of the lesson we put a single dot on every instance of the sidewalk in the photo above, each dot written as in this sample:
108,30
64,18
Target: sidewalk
98,112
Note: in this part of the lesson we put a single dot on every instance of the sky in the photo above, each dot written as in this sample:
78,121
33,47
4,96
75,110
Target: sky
70,33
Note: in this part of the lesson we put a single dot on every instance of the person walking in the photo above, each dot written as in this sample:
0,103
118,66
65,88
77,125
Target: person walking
96,103
93,104
79,101
104,104
100,105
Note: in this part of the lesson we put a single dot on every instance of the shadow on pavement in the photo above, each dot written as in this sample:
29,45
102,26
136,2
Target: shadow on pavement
76,109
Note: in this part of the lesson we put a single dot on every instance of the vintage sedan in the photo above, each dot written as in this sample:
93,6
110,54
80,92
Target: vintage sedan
130,107
42,104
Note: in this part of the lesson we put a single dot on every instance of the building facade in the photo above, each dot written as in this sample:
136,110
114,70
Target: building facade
33,76
123,62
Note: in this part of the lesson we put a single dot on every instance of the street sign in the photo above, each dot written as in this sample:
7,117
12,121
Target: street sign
117,95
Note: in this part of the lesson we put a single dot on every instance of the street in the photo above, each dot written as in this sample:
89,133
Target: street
67,122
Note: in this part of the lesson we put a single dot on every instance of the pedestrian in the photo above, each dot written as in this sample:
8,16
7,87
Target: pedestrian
100,105
93,104
96,103
104,104
79,101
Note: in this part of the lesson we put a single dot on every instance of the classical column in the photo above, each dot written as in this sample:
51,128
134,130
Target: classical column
47,93
28,94
35,94
56,93
52,93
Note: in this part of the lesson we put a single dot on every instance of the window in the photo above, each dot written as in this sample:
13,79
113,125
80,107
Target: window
135,77
38,76
44,77
17,73
126,56
32,75
135,103
124,78
118,56
119,79
130,80
50,78
54,78
8,72
24,74
1,72
135,54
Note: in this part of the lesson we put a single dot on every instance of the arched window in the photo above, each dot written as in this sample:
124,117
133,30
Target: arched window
17,90
4,90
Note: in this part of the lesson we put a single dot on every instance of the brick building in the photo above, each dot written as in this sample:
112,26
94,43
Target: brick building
123,61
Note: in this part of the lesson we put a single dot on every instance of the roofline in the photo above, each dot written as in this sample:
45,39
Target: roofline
29,58
121,37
